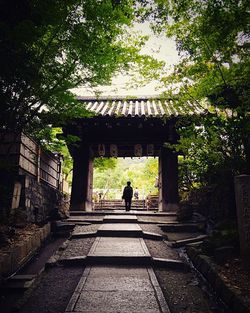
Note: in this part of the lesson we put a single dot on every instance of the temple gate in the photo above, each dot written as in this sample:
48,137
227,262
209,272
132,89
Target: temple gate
125,127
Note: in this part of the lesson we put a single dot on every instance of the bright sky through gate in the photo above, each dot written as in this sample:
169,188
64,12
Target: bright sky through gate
159,47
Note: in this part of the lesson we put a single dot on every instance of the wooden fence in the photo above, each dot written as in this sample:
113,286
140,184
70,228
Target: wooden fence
23,152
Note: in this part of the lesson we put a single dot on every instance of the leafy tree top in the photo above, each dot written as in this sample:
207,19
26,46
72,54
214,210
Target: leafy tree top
213,40
48,47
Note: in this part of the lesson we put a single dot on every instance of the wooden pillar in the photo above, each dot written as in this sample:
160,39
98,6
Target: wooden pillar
80,184
160,205
88,203
169,180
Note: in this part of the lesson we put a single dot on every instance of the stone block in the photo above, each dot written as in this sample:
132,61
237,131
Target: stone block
42,232
192,252
218,285
48,229
14,259
211,276
204,267
36,241
28,245
227,295
242,196
5,264
22,252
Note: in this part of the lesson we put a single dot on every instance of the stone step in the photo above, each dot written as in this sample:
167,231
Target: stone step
125,260
181,243
181,227
113,212
143,234
120,219
82,221
19,282
118,260
157,222
85,234
120,230
122,208
120,202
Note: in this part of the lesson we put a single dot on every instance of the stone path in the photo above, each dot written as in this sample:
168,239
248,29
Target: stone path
120,263
113,288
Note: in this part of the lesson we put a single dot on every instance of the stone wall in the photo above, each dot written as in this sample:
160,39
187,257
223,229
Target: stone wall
242,189
20,253
38,198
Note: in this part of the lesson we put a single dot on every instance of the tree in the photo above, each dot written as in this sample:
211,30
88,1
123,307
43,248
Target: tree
49,47
213,41
141,172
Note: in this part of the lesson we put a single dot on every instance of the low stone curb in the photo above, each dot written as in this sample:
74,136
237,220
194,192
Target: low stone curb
21,253
208,269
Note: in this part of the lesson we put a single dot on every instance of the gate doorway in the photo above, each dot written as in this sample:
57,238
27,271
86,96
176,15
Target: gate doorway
111,175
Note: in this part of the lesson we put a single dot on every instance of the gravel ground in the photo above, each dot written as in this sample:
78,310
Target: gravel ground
78,247
54,291
159,249
184,293
85,228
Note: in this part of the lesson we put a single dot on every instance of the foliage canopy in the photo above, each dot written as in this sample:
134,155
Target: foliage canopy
49,47
213,41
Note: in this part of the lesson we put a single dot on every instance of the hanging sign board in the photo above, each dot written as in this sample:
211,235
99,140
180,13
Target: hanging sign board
101,149
138,150
150,149
113,151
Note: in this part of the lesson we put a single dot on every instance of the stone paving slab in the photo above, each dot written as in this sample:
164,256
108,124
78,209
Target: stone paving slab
118,278
120,289
112,246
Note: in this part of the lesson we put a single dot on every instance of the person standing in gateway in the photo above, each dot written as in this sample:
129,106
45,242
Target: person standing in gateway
127,195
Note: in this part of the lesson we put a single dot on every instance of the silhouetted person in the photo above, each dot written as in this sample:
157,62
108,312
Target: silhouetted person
127,195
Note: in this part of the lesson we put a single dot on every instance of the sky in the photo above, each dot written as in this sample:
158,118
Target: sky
159,47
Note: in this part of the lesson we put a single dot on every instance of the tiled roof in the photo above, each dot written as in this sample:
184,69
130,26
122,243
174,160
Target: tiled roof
138,107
